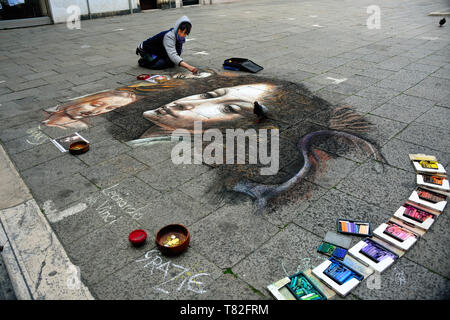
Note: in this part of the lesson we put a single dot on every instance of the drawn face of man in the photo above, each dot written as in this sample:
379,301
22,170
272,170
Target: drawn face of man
217,108
100,104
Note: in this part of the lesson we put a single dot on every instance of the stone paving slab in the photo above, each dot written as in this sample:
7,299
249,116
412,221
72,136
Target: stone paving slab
113,171
239,290
425,135
406,281
321,216
42,259
60,193
285,209
110,235
49,171
6,289
431,251
13,190
379,94
437,117
201,187
128,198
404,100
156,277
431,88
103,263
21,144
35,156
237,232
362,104
382,130
18,131
396,77
291,250
380,185
396,153
174,207
166,175
398,113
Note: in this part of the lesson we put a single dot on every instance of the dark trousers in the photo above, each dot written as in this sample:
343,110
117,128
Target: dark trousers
150,61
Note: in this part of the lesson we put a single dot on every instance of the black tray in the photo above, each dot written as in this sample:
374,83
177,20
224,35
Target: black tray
241,64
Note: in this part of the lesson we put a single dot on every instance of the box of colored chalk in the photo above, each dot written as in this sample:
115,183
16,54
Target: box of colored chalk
338,276
429,167
327,292
433,181
396,234
279,289
428,198
335,245
405,224
417,215
441,192
426,164
303,288
354,228
332,250
377,254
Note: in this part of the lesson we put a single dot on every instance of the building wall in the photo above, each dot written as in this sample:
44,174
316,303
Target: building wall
58,8
204,2
222,1
217,1
59,14
99,6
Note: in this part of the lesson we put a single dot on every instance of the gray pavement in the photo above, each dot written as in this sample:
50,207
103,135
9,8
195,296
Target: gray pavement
6,289
398,77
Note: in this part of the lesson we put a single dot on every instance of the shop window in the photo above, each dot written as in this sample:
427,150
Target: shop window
22,9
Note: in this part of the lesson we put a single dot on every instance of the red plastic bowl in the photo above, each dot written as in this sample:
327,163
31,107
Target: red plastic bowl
137,237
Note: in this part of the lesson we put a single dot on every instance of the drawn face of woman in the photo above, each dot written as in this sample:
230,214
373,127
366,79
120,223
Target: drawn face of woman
100,104
218,108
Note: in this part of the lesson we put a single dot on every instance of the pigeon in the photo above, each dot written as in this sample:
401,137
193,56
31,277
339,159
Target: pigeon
441,23
260,111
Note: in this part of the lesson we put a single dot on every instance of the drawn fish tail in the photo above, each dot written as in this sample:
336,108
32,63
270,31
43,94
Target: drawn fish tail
264,193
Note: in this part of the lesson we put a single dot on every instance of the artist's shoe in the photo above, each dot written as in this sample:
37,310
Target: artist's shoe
140,52
143,63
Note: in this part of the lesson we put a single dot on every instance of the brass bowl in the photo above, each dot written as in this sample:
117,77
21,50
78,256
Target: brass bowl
79,147
166,239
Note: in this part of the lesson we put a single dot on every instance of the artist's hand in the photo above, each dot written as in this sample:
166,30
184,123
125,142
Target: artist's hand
194,70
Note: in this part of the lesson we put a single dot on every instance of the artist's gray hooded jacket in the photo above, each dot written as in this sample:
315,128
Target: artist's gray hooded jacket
170,40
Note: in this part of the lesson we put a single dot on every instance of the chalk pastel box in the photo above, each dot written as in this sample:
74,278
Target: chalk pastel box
430,181
376,254
421,169
354,228
303,288
338,275
405,224
279,289
429,199
408,211
397,235
332,250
